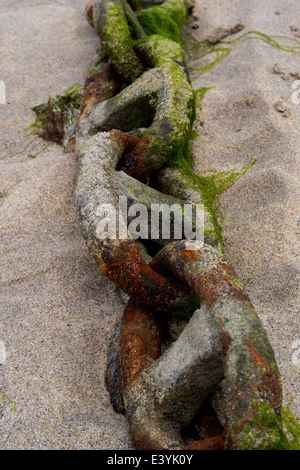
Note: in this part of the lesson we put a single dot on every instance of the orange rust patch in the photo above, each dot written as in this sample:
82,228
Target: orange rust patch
209,424
143,441
135,161
258,358
128,141
100,88
190,255
140,342
216,284
126,267
213,443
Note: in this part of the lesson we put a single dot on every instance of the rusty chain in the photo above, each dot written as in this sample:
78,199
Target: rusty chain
186,376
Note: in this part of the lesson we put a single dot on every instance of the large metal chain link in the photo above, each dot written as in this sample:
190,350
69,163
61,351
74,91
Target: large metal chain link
217,374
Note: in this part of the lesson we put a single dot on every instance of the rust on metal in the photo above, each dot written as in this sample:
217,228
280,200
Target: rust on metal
216,284
140,342
212,443
135,163
100,88
126,267
89,13
136,108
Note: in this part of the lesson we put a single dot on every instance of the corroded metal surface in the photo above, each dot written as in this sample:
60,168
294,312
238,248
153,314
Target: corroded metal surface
172,364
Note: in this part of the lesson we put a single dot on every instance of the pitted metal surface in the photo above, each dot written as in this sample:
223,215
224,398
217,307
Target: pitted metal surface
218,366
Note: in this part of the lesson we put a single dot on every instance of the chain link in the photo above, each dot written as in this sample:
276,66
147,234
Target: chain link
186,376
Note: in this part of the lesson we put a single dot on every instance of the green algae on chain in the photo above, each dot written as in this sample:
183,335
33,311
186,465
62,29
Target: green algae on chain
161,100
291,428
287,431
180,157
111,24
165,55
165,19
209,186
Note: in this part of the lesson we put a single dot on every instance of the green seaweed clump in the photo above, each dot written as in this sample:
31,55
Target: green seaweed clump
165,19
55,120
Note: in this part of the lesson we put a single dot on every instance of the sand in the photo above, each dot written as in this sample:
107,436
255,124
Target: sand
57,309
